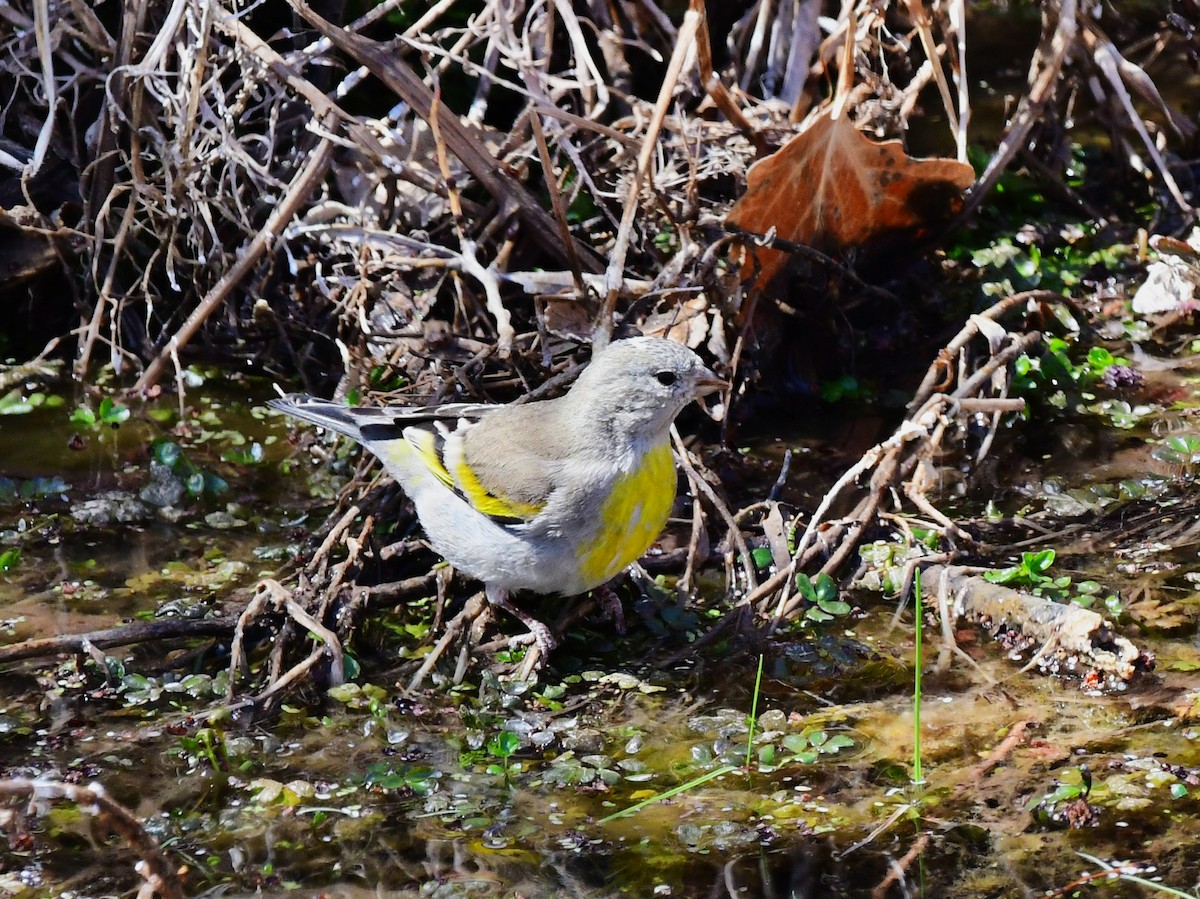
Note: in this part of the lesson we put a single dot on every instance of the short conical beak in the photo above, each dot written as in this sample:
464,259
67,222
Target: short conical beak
709,383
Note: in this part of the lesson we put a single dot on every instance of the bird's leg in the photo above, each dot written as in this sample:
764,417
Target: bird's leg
610,605
542,635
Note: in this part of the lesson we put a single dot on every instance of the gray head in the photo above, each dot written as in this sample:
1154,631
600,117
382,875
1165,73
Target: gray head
637,386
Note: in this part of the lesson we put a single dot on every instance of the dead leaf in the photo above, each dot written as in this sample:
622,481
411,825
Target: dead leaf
686,322
1147,611
831,187
571,319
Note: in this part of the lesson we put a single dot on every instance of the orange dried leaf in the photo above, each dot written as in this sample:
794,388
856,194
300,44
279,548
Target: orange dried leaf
832,187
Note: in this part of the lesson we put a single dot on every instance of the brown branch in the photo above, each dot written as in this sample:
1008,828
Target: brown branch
1057,43
1065,632
716,89
160,876
125,635
476,606
615,271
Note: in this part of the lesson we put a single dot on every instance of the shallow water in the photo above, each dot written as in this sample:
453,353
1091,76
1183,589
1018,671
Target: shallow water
495,788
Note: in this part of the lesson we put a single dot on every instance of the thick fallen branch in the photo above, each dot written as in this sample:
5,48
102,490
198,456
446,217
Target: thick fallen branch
1063,635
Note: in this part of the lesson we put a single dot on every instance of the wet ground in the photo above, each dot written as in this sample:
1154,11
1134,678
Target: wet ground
495,788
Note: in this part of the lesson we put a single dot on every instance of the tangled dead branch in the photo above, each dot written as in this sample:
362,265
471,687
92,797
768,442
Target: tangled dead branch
215,167
962,387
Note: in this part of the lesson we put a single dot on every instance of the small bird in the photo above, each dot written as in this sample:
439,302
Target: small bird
552,496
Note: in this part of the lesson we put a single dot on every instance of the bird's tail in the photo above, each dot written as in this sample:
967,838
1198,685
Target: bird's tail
379,429
335,416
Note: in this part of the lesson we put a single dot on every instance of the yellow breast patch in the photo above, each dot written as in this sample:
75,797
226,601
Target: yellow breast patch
632,517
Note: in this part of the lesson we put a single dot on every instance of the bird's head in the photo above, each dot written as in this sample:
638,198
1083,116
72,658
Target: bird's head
637,386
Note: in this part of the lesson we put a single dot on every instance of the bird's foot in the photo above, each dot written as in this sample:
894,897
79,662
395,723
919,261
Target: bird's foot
539,634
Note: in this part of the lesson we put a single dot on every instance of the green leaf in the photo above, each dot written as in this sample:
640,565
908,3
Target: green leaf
165,452
344,692
13,403
804,586
1002,575
83,417
1186,445
761,555
214,484
503,744
834,607
795,742
1038,562
9,558
826,589
111,413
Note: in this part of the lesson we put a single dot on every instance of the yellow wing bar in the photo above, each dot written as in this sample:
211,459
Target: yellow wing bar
456,474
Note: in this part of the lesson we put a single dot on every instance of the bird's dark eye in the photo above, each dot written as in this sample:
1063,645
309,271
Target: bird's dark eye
666,378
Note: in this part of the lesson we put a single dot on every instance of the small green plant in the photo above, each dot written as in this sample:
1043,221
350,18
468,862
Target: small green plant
1180,450
1068,798
208,744
665,240
33,488
762,557
110,413
821,594
385,378
1055,370
9,559
1054,263
918,776
197,481
247,455
500,748
846,388
370,698
808,746
1030,572
419,779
